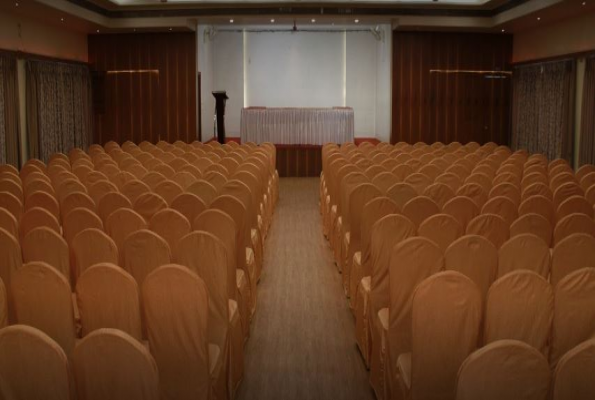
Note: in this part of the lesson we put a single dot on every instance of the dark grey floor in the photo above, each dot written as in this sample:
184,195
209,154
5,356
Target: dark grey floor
302,343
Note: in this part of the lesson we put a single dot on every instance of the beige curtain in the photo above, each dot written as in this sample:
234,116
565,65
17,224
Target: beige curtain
587,149
543,102
58,107
9,110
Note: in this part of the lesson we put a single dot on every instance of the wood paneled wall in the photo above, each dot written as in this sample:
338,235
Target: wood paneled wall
141,106
293,161
462,107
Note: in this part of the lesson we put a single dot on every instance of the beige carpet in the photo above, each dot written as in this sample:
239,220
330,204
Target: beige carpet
302,343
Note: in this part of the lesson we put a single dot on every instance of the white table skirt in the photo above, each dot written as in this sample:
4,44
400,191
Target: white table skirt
311,126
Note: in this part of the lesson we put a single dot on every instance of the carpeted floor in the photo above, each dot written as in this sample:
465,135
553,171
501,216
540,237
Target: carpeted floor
302,343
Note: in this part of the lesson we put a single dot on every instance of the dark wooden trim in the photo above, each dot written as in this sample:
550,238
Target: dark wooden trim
575,55
38,57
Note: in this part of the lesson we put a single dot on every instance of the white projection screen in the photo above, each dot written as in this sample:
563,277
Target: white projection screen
294,69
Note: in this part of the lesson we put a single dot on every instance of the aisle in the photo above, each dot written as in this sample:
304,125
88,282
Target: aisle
302,343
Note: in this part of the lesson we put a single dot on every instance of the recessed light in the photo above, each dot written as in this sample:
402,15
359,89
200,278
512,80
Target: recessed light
171,29
503,30
62,19
584,3
16,4
357,21
97,30
313,20
231,21
272,21
539,18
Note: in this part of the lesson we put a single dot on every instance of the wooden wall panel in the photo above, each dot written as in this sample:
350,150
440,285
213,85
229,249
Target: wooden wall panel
442,107
145,106
293,161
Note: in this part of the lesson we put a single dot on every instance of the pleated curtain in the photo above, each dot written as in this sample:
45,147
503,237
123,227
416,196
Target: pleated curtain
58,107
9,110
587,141
543,106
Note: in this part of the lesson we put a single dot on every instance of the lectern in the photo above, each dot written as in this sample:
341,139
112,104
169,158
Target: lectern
220,99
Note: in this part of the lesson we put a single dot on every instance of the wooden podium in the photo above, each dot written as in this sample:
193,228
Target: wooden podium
220,99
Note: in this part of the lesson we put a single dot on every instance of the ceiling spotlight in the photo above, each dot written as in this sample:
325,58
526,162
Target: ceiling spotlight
62,19
313,20
503,30
231,21
16,4
584,3
272,21
357,21
539,18
97,30
171,29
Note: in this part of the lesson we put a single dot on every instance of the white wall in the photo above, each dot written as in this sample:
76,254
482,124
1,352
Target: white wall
303,69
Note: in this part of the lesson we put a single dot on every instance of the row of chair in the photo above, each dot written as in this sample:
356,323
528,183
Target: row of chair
375,197
210,218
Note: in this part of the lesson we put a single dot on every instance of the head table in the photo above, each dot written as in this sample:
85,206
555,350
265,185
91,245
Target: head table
297,126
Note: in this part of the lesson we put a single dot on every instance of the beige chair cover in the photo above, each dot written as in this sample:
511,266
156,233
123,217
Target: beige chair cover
520,306
42,299
565,191
492,227
3,305
574,312
110,364
108,297
481,179
462,208
525,251
78,220
573,223
44,244
176,308
411,261
76,200
419,209
451,180
442,229
502,206
401,193
149,204
37,217
43,200
475,257
42,372
418,181
203,190
9,223
533,177
385,180
12,204
440,193
573,377
100,189
447,310
170,225
10,186
386,233
169,190
508,190
574,204
10,261
573,253
112,202
538,205
185,178
134,189
475,192
537,189
189,205
507,369
534,224
587,181
152,179
91,247
142,252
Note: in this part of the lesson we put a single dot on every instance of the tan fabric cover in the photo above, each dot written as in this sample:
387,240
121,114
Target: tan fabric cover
507,369
134,189
215,178
76,200
401,193
538,205
149,204
91,247
574,204
419,182
43,372
502,206
537,189
440,193
45,201
573,377
9,223
475,257
3,305
143,251
100,189
419,209
203,190
532,224
111,364
565,191
475,192
385,180
573,253
110,203
525,251
462,208
508,190
152,179
169,190
170,225
453,181
442,229
42,299
573,223
189,205
78,220
176,308
43,244
10,261
122,223
108,297
520,306
491,226
37,217
574,312
445,326
481,179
